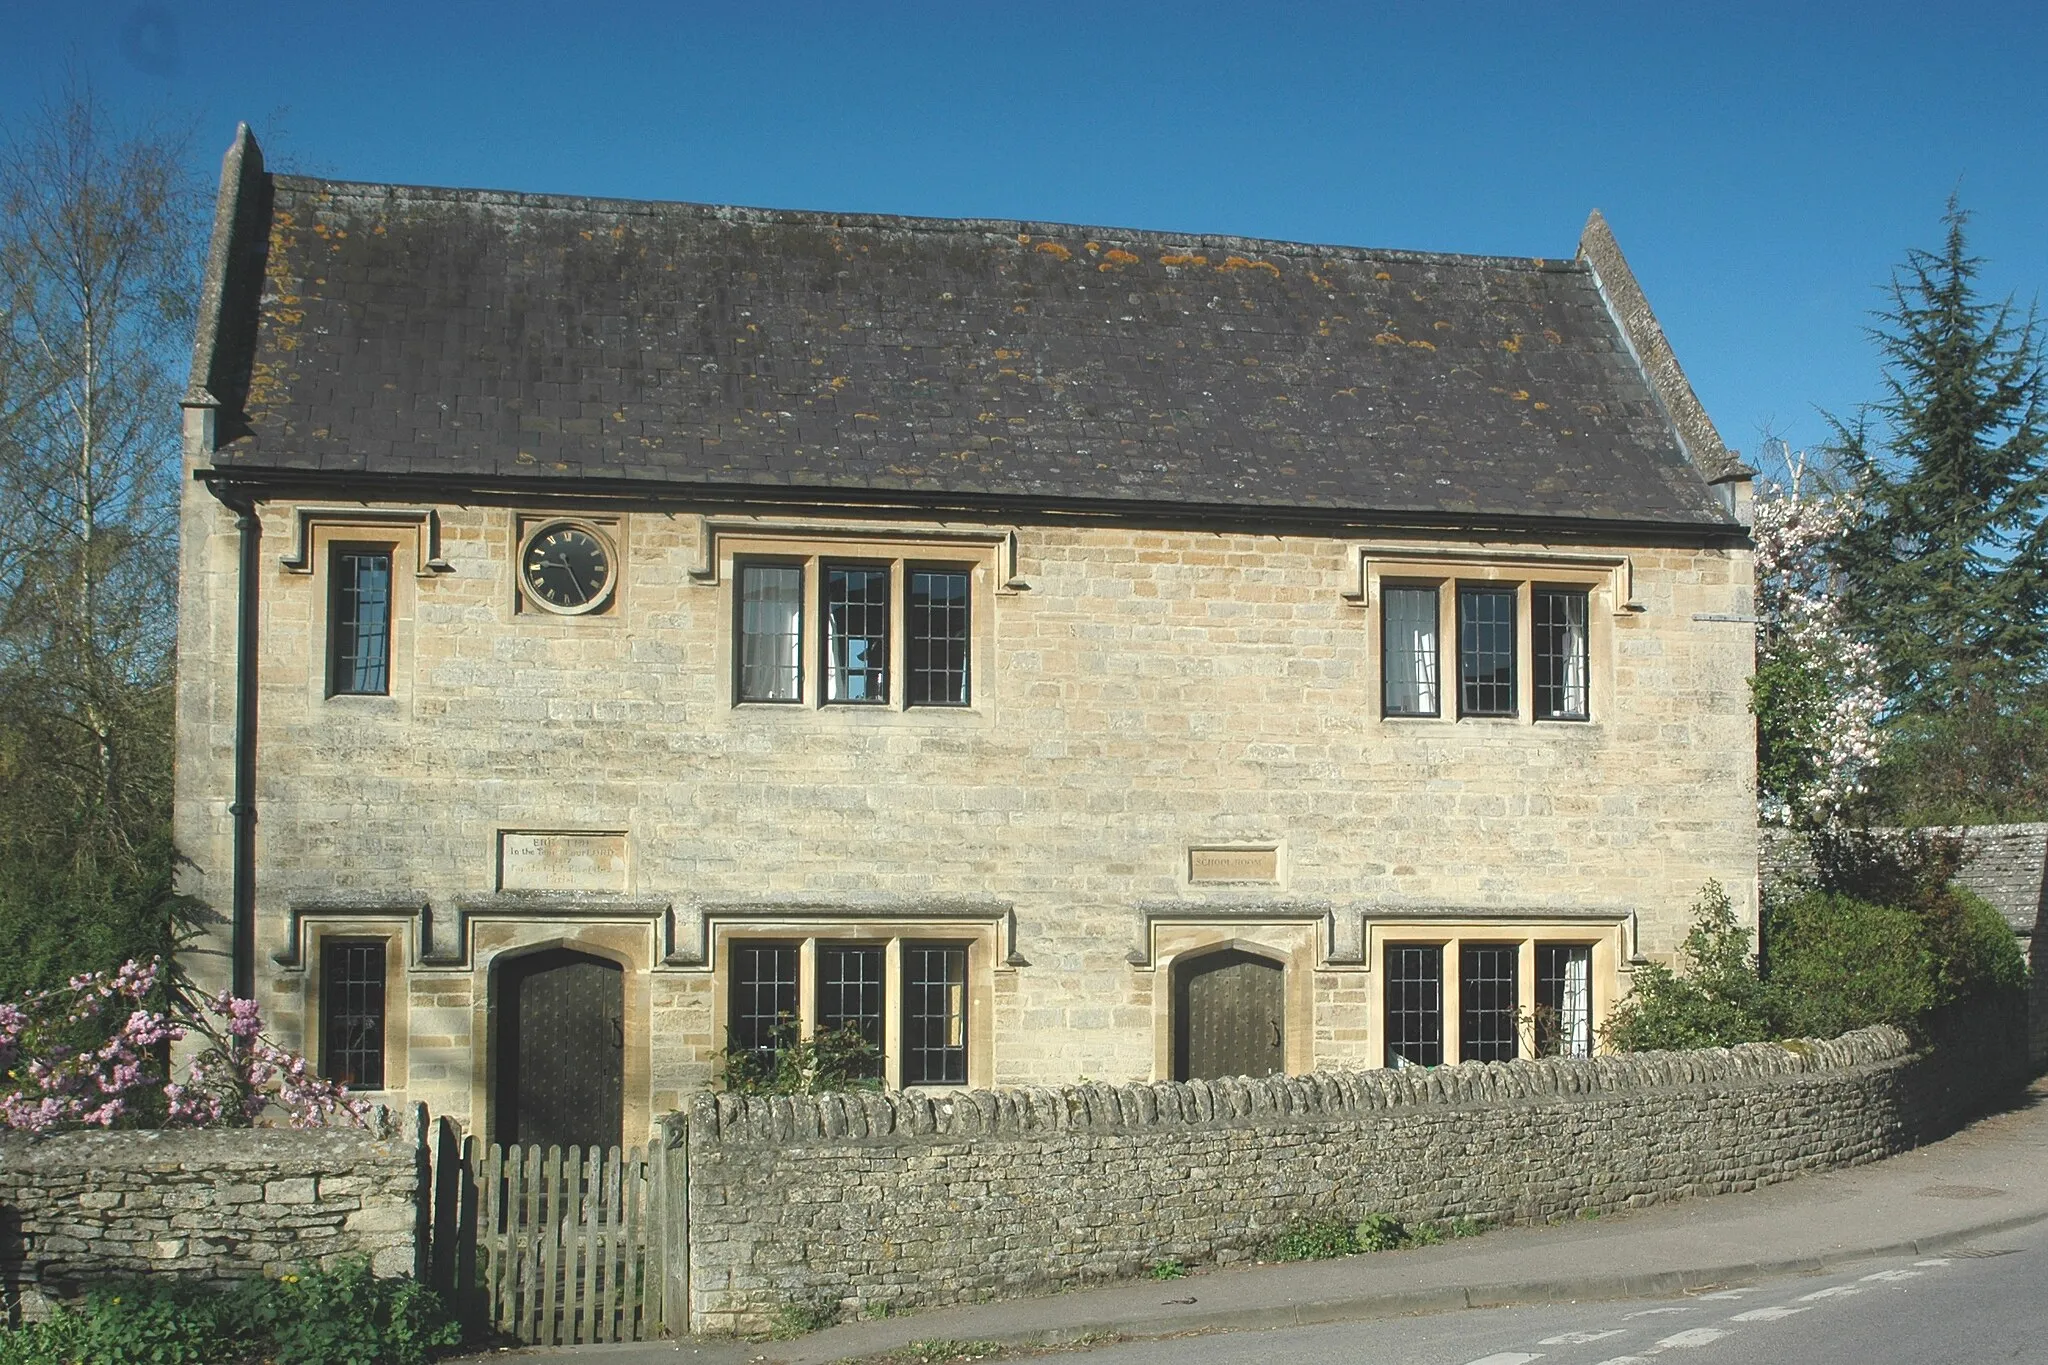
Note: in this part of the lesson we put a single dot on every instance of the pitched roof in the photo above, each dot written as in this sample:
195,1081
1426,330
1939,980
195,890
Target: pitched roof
387,331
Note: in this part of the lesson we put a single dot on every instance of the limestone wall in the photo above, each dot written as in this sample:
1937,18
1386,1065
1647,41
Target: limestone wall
872,1202
211,1205
1138,694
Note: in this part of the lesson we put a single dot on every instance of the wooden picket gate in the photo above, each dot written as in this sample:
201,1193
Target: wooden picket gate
559,1247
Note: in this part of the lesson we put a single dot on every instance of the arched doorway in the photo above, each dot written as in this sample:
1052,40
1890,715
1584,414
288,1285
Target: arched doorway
561,1050
1229,1016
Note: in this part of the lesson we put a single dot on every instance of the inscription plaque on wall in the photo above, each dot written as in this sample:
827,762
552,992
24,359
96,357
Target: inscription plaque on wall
561,860
1233,864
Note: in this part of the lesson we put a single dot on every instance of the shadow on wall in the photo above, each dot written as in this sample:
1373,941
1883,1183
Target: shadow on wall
996,1193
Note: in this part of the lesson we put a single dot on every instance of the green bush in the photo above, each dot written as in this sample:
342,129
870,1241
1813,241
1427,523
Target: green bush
1838,963
1976,953
1316,1240
801,1317
1886,938
1380,1232
345,1316
1718,1001
348,1316
831,1060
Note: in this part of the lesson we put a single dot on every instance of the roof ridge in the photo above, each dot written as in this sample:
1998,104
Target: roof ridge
910,223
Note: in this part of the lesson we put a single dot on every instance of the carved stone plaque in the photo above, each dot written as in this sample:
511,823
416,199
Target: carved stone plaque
561,860
1233,864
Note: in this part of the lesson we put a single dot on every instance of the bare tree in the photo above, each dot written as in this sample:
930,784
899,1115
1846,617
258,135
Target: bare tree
98,241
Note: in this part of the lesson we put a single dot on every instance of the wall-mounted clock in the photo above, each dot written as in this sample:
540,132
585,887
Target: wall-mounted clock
567,567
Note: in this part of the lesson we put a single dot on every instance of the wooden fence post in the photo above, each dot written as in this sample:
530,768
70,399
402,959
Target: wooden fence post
449,1177
672,1223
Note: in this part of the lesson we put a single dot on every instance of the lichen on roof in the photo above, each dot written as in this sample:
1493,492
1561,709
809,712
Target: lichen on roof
474,334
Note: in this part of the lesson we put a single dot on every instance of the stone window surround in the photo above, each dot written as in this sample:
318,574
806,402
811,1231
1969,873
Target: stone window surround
901,557
396,935
1607,580
1607,936
320,532
983,942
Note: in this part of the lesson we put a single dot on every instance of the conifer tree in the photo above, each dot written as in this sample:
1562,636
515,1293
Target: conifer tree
1943,568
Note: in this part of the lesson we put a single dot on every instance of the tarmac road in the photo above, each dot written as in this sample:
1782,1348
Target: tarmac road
1975,1303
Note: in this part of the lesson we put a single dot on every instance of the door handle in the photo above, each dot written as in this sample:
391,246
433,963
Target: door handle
1277,1037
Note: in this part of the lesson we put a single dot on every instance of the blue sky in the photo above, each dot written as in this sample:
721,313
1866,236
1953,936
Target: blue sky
1764,166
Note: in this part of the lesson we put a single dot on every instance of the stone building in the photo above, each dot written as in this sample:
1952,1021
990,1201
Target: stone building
616,631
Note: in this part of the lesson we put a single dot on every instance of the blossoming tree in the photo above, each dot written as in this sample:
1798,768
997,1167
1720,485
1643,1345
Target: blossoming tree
1817,694
90,1055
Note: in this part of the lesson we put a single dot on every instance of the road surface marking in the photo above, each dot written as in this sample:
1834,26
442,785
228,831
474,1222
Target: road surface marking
1765,1314
1627,1360
1725,1294
1696,1336
1939,1260
1833,1291
1580,1338
1894,1275
1509,1358
1653,1312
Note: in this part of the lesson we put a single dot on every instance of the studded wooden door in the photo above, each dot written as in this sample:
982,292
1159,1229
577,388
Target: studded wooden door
1230,1016
561,1051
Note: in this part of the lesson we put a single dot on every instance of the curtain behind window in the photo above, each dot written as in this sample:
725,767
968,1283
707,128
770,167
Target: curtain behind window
1409,651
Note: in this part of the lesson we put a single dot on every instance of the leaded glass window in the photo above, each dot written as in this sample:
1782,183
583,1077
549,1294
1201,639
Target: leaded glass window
1564,1000
1408,651
856,610
1558,621
771,632
359,622
934,1014
1415,1004
850,993
352,1013
1489,1001
1486,651
937,627
762,1000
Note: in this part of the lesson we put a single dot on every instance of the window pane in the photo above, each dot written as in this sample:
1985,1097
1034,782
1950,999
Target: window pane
359,623
1486,651
1559,623
771,632
352,1013
1564,1000
1408,652
1489,1000
856,633
1415,1004
850,993
938,638
934,1014
762,1000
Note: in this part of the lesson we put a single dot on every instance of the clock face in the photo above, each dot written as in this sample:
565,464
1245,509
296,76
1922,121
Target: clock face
567,568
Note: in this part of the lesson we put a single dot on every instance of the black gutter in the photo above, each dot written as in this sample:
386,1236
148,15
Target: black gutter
923,504
243,806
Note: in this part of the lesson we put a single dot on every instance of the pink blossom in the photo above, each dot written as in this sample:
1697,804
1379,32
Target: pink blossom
239,1073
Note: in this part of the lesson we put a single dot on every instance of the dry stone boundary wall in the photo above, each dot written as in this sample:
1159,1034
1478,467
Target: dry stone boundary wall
887,1201
207,1205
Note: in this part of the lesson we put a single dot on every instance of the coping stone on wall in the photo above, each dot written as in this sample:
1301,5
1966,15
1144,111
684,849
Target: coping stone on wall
766,1121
